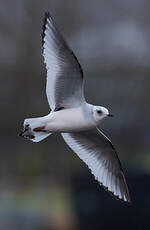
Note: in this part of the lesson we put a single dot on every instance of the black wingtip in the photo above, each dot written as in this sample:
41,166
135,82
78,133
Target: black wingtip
46,16
127,202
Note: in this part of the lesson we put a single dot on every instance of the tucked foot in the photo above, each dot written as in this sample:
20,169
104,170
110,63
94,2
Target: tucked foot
39,129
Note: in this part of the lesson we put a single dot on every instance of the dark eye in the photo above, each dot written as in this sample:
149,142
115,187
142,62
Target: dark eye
99,112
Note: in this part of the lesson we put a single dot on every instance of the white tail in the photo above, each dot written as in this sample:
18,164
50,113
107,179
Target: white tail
39,136
34,129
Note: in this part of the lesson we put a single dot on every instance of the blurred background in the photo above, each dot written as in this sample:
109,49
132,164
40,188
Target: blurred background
45,186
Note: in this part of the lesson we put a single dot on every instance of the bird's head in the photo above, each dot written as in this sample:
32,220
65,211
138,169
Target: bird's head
100,113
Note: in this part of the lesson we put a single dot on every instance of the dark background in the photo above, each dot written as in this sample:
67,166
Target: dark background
44,185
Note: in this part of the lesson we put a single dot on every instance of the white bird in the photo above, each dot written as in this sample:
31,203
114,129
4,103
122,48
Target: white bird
73,117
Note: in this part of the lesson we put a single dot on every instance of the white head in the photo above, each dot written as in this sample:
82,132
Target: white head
100,112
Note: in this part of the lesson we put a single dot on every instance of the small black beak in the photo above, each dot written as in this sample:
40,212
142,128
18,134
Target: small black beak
110,115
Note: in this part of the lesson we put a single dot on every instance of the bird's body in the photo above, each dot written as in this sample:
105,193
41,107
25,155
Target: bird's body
70,120
72,116
66,120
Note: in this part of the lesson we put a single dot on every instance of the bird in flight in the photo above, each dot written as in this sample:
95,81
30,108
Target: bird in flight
72,117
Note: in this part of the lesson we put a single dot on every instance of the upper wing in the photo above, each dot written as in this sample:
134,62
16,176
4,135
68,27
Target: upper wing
64,74
96,150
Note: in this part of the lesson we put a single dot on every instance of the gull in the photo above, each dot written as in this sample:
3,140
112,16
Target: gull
72,117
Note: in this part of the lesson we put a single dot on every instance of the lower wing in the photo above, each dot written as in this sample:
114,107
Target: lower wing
96,150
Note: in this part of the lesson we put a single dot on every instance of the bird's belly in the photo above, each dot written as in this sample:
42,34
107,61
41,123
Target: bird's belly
68,121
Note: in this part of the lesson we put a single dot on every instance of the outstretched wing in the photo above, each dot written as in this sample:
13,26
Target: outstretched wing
64,87
96,150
